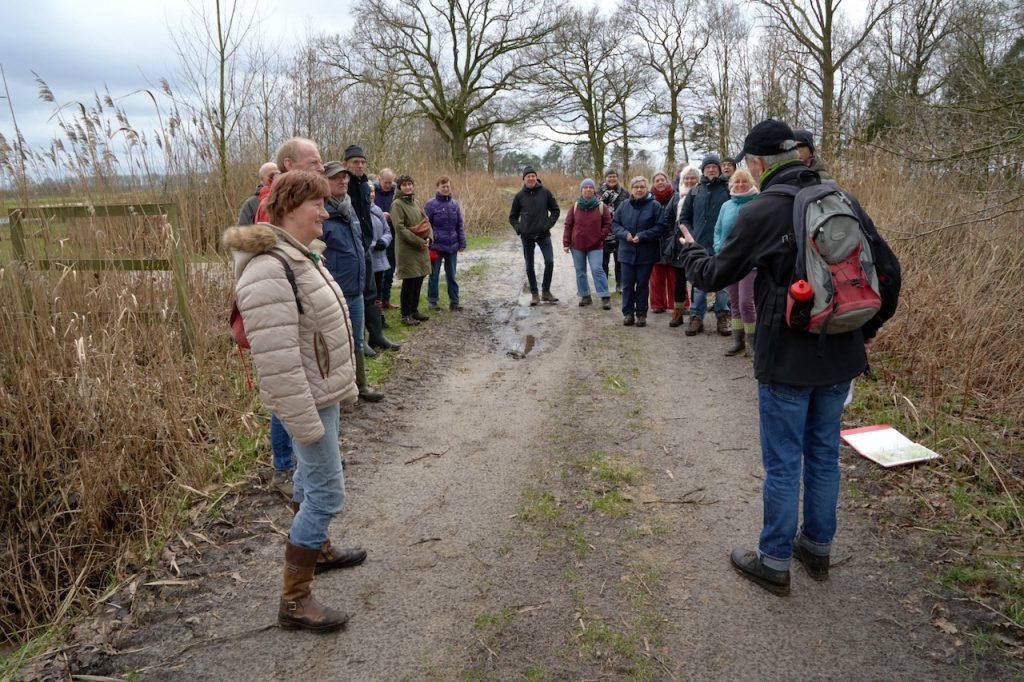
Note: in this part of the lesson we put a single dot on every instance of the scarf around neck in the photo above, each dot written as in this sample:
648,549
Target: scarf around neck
588,204
663,195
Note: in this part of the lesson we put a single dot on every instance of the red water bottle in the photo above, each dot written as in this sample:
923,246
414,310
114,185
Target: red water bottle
799,304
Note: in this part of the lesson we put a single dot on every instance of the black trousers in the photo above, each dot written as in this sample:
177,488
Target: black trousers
610,250
679,295
411,287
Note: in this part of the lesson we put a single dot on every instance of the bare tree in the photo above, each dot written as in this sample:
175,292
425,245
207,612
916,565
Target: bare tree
212,48
726,29
455,60
671,45
820,30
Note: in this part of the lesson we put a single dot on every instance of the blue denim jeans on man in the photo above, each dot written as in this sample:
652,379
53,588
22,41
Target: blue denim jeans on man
580,259
549,261
319,484
799,433
280,445
357,315
449,260
699,304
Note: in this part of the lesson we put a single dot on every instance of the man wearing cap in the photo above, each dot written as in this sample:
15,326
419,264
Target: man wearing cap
805,146
359,191
345,259
699,214
534,213
612,194
803,378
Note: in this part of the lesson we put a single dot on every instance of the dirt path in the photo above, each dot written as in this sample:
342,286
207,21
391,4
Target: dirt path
566,513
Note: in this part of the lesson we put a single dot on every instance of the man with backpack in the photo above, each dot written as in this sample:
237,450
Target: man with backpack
817,310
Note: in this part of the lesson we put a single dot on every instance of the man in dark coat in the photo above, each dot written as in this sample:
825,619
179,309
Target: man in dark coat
247,214
803,378
359,192
534,212
699,214
612,194
383,196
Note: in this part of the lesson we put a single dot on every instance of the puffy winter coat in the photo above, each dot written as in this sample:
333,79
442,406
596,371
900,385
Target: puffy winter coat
344,256
381,237
726,219
412,259
534,212
700,209
641,218
305,361
445,217
587,230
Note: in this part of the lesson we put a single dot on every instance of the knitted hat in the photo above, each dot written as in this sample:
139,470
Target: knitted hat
711,160
529,169
586,182
804,138
354,151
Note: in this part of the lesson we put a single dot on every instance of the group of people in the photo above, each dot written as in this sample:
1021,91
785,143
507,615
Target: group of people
635,229
312,312
327,232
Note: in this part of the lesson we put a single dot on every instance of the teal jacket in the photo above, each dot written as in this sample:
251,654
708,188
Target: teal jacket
727,217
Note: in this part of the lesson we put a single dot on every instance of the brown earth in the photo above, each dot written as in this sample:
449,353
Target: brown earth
544,494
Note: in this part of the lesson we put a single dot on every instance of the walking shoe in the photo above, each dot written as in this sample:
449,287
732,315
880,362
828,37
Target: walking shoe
433,305
606,303
641,320
585,300
724,324
282,482
384,344
816,565
455,307
386,305
739,345
678,317
628,321
548,298
696,326
749,565
534,299
410,321
368,351
331,558
298,609
657,311
420,316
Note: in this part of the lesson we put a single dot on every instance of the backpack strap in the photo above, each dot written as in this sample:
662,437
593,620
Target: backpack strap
290,276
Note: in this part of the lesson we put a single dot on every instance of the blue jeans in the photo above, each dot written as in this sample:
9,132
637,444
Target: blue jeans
450,260
280,445
579,261
319,484
799,431
357,315
699,305
549,261
636,288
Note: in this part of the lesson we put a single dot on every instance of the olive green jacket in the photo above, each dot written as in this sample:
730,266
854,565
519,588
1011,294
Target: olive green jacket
412,259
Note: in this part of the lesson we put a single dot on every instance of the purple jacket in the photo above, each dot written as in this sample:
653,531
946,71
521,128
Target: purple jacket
446,220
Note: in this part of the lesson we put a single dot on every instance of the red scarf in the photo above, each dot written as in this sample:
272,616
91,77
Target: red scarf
663,195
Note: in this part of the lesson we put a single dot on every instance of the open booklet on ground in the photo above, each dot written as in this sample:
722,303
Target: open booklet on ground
885,445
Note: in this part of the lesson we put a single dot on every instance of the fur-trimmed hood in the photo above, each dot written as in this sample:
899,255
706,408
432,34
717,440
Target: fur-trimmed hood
248,241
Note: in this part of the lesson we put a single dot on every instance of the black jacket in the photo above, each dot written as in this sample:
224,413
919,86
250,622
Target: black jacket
534,212
701,207
612,198
763,238
359,191
669,230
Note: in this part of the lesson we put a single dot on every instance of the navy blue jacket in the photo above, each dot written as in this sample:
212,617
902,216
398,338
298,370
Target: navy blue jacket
701,207
641,218
344,256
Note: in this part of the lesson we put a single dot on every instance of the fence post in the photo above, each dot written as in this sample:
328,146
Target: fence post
179,266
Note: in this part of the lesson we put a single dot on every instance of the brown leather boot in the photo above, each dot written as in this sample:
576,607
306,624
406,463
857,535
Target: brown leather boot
724,324
331,558
678,315
298,609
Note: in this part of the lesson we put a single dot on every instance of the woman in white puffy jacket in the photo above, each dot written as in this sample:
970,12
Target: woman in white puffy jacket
298,326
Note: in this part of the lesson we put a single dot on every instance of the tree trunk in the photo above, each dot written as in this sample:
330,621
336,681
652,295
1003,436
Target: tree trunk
828,128
673,125
625,141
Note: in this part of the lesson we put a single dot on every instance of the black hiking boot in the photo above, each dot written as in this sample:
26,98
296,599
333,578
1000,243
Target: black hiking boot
628,321
641,320
816,565
606,303
749,565
585,301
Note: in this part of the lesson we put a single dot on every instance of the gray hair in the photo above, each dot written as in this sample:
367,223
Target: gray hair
688,171
637,179
772,159
266,169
